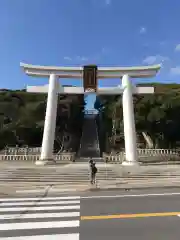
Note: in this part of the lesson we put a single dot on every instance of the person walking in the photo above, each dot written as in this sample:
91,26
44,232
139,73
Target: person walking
90,162
90,169
93,173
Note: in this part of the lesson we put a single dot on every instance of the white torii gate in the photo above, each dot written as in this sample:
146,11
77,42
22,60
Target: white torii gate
54,88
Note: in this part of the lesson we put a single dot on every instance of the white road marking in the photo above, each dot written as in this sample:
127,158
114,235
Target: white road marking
71,236
132,195
39,208
50,190
38,225
39,215
38,203
14,208
39,198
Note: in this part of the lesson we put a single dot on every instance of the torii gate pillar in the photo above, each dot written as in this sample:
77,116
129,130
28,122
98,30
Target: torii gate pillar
129,122
49,123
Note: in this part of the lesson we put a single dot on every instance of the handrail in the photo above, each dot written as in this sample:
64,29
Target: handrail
67,157
145,155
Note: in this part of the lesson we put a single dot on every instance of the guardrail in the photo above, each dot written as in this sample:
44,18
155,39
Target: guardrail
145,156
65,157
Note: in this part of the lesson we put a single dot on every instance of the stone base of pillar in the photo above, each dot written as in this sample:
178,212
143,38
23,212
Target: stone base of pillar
45,162
130,163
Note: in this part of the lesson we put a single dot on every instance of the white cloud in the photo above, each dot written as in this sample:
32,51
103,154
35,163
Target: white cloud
143,30
150,59
177,48
77,58
107,2
82,58
175,70
68,58
155,59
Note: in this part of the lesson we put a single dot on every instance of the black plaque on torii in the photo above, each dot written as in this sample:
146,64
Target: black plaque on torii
90,78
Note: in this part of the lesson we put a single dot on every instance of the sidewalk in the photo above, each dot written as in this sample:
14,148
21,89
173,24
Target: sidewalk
140,184
36,190
135,177
43,190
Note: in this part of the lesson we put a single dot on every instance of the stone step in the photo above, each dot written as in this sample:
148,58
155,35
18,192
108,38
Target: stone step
86,174
57,175
82,180
44,183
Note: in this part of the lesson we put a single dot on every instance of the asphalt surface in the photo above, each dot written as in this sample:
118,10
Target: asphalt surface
32,218
136,215
141,215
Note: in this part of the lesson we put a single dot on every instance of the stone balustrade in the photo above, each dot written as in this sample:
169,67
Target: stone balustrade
145,156
21,151
65,157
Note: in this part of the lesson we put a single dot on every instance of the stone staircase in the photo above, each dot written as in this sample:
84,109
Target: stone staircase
68,174
76,176
65,178
89,146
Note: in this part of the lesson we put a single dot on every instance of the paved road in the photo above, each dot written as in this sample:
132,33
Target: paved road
135,217
33,218
113,215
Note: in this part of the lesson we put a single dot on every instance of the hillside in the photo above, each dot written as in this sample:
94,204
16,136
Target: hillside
158,115
22,117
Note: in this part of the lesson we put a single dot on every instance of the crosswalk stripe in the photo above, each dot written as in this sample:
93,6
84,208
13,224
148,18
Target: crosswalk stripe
40,208
39,215
71,236
39,198
39,203
39,225
57,216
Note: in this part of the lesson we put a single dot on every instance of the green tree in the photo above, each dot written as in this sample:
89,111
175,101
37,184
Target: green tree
158,115
22,117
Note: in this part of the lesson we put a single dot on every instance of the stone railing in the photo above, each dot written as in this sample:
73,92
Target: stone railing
21,151
65,157
146,156
91,112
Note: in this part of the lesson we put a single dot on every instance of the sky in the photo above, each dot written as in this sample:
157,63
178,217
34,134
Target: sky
79,32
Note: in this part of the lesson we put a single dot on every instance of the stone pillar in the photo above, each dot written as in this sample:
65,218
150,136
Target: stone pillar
129,123
50,122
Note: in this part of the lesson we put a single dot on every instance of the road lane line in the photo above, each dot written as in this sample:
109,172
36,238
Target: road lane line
131,195
135,215
39,215
38,225
39,198
3,204
70,236
69,207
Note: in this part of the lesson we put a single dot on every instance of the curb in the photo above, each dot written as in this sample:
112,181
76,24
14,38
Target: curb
130,188
56,191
